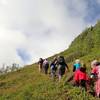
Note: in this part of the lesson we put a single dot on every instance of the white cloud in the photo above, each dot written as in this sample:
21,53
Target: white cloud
9,41
3,2
98,1
40,27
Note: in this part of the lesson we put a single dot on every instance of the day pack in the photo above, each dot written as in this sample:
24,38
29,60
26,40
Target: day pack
61,60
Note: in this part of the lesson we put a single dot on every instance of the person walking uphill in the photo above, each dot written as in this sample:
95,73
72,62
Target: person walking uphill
81,78
40,62
45,66
96,72
77,65
93,69
93,72
53,67
62,67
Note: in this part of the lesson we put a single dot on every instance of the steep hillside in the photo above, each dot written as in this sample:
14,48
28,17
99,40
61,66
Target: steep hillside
86,46
29,84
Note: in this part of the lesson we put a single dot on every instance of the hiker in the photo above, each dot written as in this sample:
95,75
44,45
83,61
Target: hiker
93,72
81,78
93,69
77,65
53,67
96,72
62,67
40,62
45,66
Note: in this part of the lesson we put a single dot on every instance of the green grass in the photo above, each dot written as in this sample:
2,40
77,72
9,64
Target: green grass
29,84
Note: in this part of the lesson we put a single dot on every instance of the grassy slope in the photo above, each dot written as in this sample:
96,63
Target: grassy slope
28,84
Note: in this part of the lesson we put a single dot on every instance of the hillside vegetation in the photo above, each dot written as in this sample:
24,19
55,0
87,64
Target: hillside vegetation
86,46
28,84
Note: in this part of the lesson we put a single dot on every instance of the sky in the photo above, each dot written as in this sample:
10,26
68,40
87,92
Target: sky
30,29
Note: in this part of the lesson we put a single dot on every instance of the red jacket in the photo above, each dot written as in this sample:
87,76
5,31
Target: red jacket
79,75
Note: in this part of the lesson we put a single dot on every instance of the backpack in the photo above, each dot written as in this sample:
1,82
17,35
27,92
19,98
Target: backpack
46,63
40,60
53,66
96,75
61,60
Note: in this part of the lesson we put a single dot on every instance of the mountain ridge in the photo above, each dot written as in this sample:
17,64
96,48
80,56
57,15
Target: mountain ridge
85,44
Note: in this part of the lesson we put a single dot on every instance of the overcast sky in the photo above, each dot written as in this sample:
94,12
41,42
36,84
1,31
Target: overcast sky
30,29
